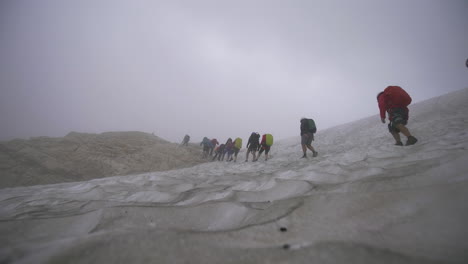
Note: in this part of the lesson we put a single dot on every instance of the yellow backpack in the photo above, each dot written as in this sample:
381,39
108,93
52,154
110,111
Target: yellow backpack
269,139
238,143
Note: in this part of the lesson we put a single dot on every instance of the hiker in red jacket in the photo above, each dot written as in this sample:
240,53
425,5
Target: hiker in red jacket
264,147
394,100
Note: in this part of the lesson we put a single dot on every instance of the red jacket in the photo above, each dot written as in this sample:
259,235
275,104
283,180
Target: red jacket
393,97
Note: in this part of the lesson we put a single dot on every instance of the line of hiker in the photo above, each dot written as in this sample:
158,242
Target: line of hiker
231,148
253,145
392,100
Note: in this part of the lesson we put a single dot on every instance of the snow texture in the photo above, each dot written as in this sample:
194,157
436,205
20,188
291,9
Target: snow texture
362,200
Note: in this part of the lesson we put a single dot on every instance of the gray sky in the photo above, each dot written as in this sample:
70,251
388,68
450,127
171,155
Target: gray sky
219,68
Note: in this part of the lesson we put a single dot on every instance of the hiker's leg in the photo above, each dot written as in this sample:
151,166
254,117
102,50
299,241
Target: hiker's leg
392,128
304,149
311,148
399,121
396,136
310,137
260,153
403,129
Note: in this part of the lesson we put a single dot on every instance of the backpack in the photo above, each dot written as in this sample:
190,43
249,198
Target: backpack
238,143
311,125
397,95
268,140
206,142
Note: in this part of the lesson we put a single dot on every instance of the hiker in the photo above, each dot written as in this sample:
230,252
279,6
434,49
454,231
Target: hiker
206,147
219,152
228,149
308,129
252,146
395,101
237,147
186,140
265,145
214,142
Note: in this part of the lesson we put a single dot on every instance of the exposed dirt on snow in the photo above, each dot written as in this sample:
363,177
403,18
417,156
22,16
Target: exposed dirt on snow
80,157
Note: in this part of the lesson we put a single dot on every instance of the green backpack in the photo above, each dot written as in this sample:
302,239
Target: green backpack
311,125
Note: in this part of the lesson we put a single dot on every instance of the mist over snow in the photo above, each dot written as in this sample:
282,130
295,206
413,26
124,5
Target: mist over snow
362,200
218,68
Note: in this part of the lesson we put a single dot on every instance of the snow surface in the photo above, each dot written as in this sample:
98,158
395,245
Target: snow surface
362,200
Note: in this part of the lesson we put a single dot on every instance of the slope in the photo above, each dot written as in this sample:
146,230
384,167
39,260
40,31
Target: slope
363,200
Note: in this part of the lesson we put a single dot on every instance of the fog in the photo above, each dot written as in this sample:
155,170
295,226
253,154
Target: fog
219,68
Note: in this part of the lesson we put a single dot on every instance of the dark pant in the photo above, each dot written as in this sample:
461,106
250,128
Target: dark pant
264,148
397,116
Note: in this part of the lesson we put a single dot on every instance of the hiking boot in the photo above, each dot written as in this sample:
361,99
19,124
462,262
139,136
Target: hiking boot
304,156
399,143
411,141
315,154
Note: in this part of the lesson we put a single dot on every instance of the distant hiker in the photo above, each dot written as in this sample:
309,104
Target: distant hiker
186,140
308,129
237,147
206,143
228,149
219,152
265,145
214,142
252,146
395,101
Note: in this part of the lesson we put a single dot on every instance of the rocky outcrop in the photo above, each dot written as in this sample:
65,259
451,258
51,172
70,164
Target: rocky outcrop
80,156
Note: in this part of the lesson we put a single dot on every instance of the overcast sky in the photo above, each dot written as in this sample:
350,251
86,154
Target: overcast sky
219,68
